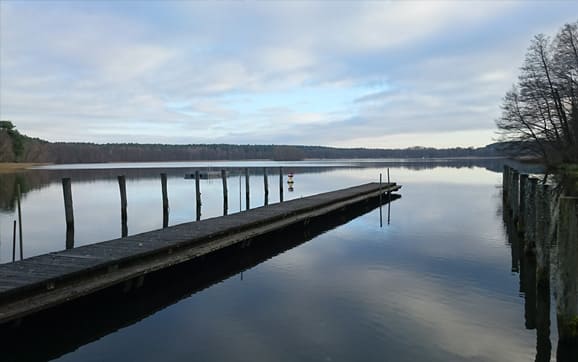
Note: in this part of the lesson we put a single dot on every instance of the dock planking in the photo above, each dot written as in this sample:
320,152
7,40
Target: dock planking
47,280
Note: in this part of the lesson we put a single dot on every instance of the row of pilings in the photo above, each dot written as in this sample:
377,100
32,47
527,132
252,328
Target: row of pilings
542,227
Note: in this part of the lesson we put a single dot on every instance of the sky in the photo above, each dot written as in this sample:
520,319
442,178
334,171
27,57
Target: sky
383,74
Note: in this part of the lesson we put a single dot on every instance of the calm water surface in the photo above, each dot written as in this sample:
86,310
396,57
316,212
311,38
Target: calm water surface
435,284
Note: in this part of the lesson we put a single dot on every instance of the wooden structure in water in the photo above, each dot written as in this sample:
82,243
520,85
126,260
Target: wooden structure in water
542,225
44,281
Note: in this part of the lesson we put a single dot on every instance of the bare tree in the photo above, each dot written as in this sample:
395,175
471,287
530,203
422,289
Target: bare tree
540,113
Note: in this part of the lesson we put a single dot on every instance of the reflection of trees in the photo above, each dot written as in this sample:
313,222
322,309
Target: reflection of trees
38,179
544,250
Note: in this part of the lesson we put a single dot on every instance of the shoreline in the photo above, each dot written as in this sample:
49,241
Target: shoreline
17,166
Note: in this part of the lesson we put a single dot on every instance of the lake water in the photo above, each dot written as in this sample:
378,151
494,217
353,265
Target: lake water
427,278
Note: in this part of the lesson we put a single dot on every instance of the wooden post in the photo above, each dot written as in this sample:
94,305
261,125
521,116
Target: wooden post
543,237
380,203
165,200
247,200
69,212
198,193
14,242
522,205
531,213
123,206
505,182
388,176
380,196
266,185
225,192
567,283
20,222
280,184
542,244
514,194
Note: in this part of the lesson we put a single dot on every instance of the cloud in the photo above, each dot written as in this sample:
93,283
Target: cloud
344,73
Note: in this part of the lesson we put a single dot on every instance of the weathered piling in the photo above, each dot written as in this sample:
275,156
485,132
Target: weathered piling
225,192
567,283
523,202
123,206
247,197
198,194
14,242
165,200
68,212
530,229
380,202
266,185
19,194
505,182
280,184
543,344
514,194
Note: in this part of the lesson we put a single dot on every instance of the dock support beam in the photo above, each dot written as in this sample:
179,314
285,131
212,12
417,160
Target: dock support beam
225,193
14,242
19,194
280,184
123,206
165,200
266,185
68,212
247,197
198,194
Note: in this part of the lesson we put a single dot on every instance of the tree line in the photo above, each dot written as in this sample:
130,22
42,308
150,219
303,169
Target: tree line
36,150
540,112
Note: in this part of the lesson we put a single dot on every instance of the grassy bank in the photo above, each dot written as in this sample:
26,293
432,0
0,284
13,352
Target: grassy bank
16,166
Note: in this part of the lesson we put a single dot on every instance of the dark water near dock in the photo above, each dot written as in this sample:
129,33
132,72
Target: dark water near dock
437,283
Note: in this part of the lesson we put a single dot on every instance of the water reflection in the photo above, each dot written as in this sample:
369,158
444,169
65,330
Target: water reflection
64,329
544,247
432,286
143,208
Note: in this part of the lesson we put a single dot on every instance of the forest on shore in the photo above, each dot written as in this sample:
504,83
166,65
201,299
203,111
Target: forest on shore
16,147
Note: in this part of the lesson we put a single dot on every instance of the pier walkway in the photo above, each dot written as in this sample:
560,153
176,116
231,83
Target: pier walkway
44,281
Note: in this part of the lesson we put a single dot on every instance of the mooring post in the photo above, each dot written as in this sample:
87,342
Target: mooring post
14,242
380,203
531,214
542,244
225,192
266,185
69,212
19,194
522,205
247,201
199,203
567,283
123,206
380,192
514,194
165,200
505,182
280,184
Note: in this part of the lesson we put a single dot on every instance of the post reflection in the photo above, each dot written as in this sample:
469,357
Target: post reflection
544,249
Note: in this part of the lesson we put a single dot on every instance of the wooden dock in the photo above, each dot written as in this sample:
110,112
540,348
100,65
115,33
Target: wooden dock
44,281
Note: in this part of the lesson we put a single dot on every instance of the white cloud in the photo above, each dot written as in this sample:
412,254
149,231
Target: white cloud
443,65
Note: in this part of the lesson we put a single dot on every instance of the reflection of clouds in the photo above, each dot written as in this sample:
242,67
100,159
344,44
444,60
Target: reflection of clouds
435,285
